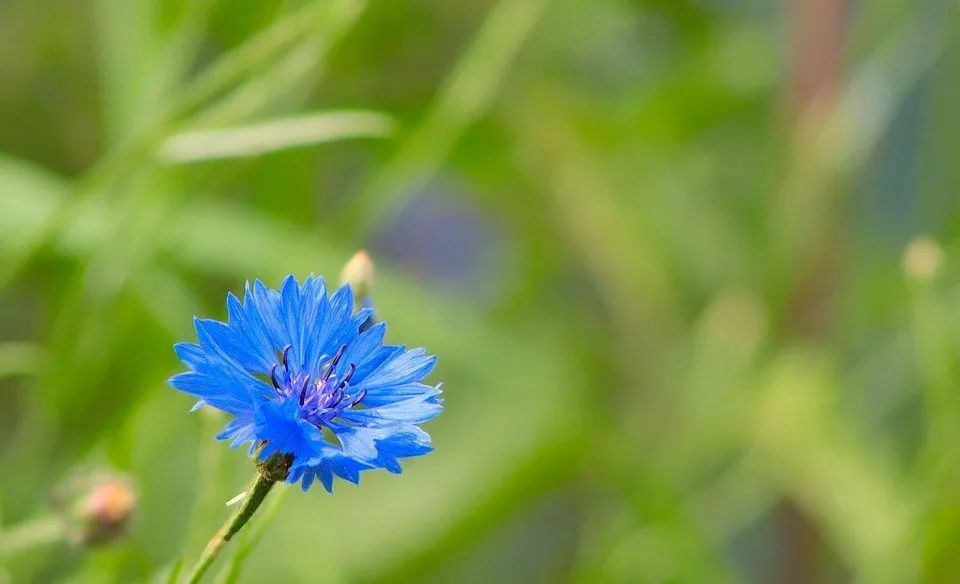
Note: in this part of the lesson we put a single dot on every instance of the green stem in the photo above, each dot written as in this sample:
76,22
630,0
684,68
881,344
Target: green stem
261,486
37,532
231,571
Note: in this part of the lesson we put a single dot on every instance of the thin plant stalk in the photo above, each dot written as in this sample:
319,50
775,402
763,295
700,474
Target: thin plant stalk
251,537
258,492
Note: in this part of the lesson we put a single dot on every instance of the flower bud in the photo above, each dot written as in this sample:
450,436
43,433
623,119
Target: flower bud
922,258
358,272
99,510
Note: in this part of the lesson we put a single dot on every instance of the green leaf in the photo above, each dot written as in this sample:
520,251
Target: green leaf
274,135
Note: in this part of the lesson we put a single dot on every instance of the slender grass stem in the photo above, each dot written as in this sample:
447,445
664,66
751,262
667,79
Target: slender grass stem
258,492
230,572
126,157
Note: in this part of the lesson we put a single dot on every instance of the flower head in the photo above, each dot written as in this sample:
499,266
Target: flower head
302,377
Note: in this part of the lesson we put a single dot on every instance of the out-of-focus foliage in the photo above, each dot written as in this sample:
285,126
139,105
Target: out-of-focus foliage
681,332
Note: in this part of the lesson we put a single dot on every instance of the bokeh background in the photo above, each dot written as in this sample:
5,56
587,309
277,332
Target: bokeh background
690,267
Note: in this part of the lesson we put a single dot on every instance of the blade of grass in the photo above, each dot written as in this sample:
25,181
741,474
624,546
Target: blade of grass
227,70
274,135
292,79
260,49
464,97
170,575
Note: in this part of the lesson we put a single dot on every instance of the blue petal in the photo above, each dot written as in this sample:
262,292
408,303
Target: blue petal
330,461
280,425
325,474
416,410
217,379
219,391
265,303
307,479
218,347
410,441
245,320
332,326
400,368
382,446
191,354
391,394
230,342
348,468
367,351
239,430
358,442
339,465
312,349
291,310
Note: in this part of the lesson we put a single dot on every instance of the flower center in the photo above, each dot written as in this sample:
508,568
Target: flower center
321,397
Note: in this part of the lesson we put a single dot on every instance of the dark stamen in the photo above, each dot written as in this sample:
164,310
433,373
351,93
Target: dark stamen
283,357
303,390
346,378
334,361
359,398
273,378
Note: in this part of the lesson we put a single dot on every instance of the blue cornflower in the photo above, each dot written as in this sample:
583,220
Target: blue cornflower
304,375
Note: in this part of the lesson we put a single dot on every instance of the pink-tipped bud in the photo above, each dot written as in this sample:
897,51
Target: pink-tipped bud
101,510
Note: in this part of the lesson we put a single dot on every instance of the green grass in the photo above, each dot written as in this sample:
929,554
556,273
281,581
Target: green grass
681,336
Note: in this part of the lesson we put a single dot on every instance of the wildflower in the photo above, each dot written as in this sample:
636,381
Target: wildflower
304,382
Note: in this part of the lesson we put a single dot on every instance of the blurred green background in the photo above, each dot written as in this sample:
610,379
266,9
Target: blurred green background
689,266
